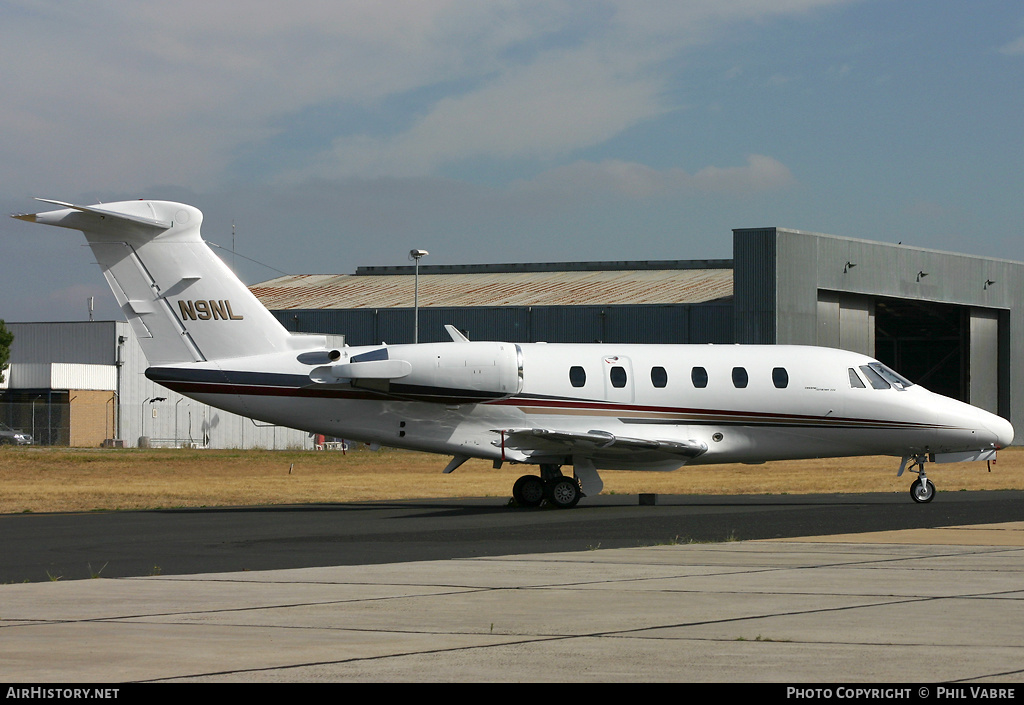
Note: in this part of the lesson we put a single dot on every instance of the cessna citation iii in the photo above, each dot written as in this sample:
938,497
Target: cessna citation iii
588,406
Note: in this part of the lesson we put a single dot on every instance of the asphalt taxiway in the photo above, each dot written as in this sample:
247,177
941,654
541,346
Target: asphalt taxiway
45,547
896,605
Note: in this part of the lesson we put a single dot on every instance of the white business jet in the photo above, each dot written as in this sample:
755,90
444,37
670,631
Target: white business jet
589,406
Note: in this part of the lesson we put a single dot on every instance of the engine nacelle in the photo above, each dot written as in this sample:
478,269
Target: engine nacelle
452,373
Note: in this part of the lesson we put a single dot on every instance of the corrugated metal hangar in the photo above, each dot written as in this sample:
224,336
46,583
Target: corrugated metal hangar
950,322
648,302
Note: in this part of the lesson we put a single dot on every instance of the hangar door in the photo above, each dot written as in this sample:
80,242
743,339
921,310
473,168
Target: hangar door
953,350
989,378
950,349
926,342
846,321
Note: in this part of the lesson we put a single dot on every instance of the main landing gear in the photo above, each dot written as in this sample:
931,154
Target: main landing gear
922,490
559,490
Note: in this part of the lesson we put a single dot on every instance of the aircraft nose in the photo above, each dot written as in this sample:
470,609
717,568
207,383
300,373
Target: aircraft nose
1000,428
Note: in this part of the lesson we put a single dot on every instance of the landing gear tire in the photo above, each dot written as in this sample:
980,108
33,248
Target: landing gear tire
563,493
922,491
528,491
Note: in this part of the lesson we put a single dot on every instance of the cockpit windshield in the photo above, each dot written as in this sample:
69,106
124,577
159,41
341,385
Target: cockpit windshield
881,377
892,377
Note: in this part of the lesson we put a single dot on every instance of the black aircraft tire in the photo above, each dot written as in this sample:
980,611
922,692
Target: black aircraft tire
564,492
528,491
922,491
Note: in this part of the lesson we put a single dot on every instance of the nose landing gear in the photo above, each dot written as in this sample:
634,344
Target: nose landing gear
922,490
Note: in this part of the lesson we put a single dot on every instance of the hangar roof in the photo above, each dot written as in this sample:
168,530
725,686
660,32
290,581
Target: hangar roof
517,287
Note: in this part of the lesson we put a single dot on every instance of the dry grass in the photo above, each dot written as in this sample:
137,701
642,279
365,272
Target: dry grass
62,479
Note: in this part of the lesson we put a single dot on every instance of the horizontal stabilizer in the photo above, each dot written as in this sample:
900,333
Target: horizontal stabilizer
103,213
107,217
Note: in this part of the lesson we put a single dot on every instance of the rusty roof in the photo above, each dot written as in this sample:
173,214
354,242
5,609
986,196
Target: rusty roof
565,288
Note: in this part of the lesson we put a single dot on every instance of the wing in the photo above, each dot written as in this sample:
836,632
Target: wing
596,444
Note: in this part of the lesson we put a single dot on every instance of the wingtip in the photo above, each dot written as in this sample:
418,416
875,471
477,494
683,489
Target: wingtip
27,217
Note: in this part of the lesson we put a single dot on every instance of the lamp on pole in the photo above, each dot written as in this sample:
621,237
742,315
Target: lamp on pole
152,400
416,255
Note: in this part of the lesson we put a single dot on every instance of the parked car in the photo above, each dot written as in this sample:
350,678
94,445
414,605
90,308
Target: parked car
11,436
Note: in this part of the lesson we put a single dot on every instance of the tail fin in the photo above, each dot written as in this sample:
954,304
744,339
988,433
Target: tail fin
182,301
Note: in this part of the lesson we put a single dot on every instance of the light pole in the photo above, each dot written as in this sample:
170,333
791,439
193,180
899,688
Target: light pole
147,401
416,255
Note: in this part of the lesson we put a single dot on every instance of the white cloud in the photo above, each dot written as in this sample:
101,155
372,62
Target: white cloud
1014,48
633,180
542,111
166,93
123,94
761,173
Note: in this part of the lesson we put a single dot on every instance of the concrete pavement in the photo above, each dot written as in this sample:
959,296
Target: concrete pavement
895,607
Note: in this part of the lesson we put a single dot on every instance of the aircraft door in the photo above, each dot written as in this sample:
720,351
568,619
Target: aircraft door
618,379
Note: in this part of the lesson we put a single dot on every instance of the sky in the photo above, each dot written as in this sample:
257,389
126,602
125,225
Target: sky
323,135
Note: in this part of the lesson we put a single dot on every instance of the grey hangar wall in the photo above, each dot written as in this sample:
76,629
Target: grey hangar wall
949,321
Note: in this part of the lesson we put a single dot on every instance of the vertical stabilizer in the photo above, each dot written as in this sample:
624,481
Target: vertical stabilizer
182,301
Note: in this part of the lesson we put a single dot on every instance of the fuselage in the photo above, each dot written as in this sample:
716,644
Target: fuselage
744,403
643,407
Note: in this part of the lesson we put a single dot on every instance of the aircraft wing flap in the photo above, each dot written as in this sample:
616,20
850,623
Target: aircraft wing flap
545,440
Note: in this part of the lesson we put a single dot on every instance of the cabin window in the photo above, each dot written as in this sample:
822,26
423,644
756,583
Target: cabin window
739,377
659,377
577,376
855,381
618,377
699,377
780,378
874,379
